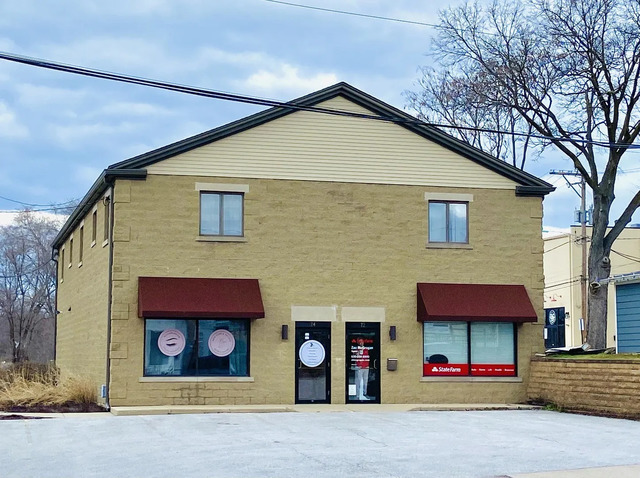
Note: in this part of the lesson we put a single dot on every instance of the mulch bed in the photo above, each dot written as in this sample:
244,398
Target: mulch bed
64,408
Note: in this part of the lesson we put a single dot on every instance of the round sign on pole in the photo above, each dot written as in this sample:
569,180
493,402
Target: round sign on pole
171,342
221,343
311,353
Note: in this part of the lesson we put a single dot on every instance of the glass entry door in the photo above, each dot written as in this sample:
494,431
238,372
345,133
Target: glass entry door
313,362
363,362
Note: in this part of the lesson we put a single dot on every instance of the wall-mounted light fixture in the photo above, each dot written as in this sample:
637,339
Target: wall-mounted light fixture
392,332
285,332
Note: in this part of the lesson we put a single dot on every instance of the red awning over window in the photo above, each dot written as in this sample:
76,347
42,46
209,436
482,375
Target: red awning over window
199,298
474,303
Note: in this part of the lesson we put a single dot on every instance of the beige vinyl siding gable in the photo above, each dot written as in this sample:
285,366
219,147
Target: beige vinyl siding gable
321,147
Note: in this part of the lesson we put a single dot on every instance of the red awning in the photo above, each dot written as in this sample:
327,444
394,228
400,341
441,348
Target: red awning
474,302
199,298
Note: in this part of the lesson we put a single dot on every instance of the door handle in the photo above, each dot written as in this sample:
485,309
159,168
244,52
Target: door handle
375,362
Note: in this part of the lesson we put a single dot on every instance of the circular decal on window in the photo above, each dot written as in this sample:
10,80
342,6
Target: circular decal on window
552,317
221,343
171,342
311,353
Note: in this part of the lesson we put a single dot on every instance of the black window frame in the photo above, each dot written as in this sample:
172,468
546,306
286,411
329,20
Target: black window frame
247,323
469,362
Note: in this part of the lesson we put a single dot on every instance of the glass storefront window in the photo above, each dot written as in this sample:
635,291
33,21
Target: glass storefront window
196,347
469,348
492,348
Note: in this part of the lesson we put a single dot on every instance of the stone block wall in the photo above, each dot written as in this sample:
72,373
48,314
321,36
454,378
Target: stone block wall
601,386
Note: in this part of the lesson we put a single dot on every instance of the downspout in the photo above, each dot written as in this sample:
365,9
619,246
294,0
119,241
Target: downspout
109,294
54,258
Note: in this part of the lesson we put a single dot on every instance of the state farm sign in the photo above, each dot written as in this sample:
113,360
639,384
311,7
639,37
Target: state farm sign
445,369
453,369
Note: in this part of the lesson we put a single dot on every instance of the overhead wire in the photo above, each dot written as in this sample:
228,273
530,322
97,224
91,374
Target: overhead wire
355,14
40,63
61,204
626,256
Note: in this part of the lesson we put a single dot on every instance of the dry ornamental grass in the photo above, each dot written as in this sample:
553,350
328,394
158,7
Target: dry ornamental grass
36,387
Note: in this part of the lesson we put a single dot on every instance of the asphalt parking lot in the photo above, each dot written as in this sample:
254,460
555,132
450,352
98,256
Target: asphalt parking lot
360,444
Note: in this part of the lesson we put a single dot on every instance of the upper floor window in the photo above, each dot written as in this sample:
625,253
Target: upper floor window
448,222
71,251
62,264
94,226
81,246
221,213
105,201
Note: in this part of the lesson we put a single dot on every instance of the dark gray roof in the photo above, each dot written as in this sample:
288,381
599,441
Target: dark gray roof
133,168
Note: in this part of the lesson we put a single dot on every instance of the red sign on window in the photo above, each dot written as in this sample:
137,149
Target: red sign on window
445,369
493,370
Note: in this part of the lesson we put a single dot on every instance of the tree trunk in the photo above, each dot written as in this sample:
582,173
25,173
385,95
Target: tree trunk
599,268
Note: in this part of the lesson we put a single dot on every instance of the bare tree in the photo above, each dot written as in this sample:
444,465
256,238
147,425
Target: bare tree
27,279
570,69
458,99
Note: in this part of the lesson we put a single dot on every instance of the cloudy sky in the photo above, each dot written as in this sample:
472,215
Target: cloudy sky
59,131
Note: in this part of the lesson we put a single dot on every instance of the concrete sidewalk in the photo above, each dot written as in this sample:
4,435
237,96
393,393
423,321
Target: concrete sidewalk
629,471
310,408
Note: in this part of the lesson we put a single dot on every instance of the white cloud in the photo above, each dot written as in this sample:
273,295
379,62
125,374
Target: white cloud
86,174
46,96
287,78
72,135
245,58
9,125
131,109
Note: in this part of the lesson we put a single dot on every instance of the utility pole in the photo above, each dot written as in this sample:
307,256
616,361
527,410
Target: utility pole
584,278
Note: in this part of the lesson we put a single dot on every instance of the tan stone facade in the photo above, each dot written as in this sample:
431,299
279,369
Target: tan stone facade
310,244
82,298
321,250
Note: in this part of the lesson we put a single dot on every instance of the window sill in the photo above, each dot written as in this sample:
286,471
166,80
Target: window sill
473,379
174,379
106,241
93,243
221,239
448,245
80,264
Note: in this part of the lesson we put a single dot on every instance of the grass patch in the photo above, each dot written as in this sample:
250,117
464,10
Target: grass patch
35,387
602,356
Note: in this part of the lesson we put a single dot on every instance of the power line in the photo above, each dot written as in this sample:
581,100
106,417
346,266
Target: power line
561,284
61,204
558,246
627,256
273,103
355,14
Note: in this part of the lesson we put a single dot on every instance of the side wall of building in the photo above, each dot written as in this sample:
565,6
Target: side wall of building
83,291
319,244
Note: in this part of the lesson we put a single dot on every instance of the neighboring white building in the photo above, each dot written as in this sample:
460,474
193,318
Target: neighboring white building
562,294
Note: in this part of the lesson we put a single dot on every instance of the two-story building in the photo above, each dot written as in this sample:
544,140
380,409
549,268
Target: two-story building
350,255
